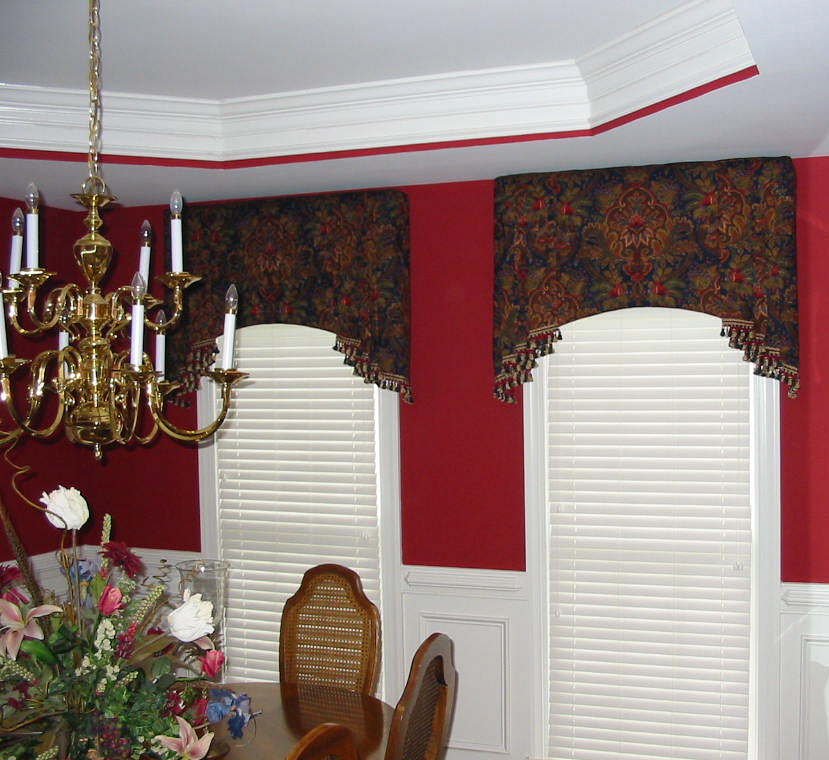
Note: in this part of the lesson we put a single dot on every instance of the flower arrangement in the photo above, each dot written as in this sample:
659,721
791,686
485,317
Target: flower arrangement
108,673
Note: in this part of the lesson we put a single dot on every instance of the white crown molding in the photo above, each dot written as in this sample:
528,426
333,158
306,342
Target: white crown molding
691,46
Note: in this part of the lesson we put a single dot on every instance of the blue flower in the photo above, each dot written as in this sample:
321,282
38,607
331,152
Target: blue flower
216,711
236,724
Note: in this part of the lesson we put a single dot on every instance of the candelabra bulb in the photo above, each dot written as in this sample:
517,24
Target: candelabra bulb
146,232
231,300
17,222
139,287
176,203
32,197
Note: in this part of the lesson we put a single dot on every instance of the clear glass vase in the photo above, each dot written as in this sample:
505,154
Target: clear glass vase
208,577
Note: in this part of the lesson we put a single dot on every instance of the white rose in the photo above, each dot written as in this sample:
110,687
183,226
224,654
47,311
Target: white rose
191,620
67,508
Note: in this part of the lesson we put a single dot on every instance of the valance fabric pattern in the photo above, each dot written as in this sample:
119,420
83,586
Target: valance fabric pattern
716,237
338,262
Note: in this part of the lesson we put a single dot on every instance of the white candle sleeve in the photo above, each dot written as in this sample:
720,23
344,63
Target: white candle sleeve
137,335
63,340
160,351
175,245
4,346
227,343
16,255
144,263
32,241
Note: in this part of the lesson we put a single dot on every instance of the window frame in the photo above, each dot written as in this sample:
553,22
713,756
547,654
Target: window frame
764,690
387,431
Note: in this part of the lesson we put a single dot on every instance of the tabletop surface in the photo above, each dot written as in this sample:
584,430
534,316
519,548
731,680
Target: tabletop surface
289,711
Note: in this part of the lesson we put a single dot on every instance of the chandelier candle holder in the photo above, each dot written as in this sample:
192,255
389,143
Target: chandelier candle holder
106,388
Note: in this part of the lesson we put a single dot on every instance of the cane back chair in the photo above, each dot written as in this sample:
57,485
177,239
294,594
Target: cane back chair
330,632
423,716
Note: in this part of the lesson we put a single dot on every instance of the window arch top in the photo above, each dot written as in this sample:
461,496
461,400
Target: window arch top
716,237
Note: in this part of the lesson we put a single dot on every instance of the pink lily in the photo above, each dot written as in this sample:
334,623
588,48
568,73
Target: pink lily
18,627
188,745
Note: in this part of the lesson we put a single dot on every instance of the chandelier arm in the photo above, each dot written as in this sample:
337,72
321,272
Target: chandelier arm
59,304
7,367
227,377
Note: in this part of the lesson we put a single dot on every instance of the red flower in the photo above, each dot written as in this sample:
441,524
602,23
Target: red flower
737,276
539,204
708,200
211,663
120,555
8,575
566,209
111,601
199,710
659,289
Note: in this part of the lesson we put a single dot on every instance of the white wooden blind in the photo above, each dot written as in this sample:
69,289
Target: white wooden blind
650,539
296,483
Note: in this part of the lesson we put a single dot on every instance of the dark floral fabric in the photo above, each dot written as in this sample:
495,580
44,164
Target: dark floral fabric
338,262
716,237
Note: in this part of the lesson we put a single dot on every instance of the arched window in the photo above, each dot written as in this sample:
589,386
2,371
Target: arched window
296,477
645,521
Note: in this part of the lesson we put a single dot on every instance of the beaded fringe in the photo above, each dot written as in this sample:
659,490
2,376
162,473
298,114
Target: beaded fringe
516,369
742,336
369,371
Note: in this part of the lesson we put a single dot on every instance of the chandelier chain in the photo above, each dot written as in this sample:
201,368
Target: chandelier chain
93,160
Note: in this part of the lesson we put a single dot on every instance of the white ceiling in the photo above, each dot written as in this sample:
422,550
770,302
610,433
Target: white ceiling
202,85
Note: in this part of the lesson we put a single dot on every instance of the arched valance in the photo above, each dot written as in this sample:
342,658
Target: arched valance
338,262
716,237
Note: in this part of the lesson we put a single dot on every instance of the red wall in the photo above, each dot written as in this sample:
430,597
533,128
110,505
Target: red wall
461,451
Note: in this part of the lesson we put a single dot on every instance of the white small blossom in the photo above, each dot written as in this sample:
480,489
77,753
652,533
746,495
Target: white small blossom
104,636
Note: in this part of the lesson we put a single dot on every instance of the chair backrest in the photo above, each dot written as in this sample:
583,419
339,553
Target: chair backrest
328,741
423,716
330,632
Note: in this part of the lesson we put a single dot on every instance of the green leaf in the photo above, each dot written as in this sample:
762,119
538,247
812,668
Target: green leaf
38,650
166,681
96,587
161,666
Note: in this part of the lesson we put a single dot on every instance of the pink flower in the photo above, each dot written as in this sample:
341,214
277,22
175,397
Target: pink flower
212,663
188,746
17,627
111,601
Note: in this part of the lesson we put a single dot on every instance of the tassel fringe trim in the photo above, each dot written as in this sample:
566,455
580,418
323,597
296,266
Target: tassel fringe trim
201,357
370,371
516,368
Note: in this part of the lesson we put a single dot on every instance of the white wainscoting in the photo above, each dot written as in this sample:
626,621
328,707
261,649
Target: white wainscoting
804,671
489,616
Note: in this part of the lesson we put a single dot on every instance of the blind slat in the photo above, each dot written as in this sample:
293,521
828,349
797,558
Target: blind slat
296,483
649,539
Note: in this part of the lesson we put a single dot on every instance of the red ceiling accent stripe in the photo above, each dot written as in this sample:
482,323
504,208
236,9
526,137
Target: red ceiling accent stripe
51,155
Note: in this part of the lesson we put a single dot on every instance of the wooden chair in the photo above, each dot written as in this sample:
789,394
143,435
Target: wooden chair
330,632
328,741
423,716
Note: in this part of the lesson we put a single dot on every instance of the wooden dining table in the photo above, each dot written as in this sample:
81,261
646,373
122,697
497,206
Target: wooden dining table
288,711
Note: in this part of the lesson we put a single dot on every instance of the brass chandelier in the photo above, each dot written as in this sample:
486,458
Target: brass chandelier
99,383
